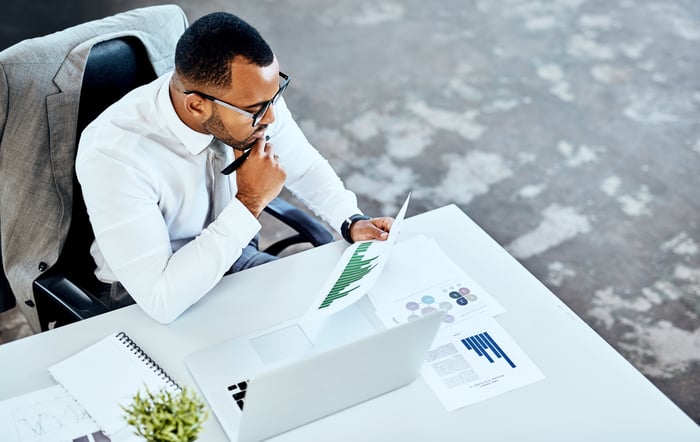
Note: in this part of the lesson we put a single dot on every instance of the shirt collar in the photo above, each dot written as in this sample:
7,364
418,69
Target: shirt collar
194,141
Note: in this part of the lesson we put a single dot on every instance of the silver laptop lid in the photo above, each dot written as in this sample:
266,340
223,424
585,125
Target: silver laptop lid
304,390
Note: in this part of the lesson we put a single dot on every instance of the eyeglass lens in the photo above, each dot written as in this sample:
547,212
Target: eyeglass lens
263,110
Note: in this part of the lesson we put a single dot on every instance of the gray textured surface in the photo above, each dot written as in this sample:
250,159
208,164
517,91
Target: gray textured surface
568,129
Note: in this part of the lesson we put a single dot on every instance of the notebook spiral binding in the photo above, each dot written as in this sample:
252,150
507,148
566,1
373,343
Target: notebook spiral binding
150,363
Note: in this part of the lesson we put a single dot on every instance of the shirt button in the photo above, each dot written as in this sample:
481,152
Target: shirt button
43,266
29,302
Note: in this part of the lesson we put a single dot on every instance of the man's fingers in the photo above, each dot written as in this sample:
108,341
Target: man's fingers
380,227
376,228
377,233
384,223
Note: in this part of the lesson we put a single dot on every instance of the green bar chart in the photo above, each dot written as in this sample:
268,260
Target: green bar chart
356,269
355,272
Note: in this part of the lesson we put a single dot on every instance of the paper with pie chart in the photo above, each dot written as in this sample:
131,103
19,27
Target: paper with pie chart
419,279
356,271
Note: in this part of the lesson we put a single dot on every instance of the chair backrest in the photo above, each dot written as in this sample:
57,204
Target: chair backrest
40,96
113,68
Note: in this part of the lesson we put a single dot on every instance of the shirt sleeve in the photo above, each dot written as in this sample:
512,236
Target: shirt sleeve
133,237
309,176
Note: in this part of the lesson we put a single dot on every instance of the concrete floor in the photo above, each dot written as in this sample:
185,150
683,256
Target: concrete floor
567,129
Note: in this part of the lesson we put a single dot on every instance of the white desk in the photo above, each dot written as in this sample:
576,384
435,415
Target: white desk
590,393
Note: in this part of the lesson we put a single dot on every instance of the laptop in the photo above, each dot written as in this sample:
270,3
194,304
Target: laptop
257,392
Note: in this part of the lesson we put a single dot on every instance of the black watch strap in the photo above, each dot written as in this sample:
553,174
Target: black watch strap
345,228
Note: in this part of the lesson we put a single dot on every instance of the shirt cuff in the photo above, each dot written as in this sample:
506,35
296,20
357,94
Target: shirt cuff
236,221
338,216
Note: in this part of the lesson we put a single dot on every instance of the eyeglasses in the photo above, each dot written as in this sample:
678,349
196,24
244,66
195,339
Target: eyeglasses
257,116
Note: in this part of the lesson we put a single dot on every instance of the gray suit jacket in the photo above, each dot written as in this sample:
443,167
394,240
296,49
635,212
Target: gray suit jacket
40,83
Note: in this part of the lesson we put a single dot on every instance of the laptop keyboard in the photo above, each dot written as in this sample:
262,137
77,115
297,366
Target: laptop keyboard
238,391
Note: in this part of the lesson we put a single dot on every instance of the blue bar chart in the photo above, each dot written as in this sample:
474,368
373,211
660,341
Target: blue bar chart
481,344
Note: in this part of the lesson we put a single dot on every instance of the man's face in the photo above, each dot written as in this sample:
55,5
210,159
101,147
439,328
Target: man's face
215,126
252,87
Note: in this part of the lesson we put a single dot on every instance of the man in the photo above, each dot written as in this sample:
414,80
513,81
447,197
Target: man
168,225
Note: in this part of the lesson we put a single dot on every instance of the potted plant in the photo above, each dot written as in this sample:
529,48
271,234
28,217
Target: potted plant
166,416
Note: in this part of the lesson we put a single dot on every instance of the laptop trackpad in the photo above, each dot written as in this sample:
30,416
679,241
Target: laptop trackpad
281,344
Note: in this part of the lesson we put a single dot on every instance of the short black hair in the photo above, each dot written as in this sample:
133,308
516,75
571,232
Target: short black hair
206,49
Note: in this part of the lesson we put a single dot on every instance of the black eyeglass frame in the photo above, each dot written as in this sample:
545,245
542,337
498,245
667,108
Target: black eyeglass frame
257,116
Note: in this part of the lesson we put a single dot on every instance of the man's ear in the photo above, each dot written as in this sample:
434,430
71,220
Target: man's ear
197,106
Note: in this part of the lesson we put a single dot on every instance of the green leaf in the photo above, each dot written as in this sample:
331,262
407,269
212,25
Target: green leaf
164,416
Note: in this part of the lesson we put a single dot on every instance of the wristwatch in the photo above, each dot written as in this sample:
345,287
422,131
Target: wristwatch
345,228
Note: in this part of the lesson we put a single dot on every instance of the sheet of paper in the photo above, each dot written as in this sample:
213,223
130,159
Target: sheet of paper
356,271
472,358
420,278
476,362
49,415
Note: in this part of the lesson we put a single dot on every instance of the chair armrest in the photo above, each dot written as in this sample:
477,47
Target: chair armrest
59,300
308,229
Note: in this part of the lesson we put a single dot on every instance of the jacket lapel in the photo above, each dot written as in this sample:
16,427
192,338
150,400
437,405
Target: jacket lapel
62,112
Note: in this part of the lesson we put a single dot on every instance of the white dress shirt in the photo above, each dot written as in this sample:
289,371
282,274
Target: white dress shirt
143,173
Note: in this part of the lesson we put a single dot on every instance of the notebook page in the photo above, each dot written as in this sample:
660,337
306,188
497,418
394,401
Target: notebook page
108,374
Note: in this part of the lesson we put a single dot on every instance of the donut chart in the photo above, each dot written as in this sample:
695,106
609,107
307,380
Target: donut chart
446,298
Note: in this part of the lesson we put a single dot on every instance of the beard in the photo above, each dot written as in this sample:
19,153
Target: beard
216,127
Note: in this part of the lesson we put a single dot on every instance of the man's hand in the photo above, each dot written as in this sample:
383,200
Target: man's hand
375,228
260,178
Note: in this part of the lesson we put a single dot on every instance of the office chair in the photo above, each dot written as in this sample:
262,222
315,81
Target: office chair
63,293
40,81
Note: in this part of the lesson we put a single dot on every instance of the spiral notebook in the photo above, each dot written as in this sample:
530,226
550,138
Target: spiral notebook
108,374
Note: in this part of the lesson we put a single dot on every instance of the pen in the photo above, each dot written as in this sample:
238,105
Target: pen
238,161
